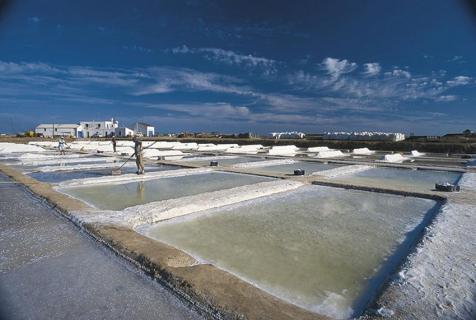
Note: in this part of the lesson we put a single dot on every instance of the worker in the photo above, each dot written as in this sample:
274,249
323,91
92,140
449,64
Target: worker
139,155
61,144
113,144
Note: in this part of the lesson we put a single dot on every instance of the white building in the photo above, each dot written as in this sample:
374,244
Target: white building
365,135
145,129
56,129
287,135
98,128
124,132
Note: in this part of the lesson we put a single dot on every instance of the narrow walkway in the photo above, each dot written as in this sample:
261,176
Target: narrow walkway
50,270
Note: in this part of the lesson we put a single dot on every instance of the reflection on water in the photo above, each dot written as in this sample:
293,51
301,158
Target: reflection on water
140,191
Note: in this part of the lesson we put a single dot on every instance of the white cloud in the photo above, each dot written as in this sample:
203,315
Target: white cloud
213,110
446,98
372,69
398,73
335,67
456,58
459,81
228,57
175,79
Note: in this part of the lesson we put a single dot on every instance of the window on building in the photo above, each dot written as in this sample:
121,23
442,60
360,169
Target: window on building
56,129
44,129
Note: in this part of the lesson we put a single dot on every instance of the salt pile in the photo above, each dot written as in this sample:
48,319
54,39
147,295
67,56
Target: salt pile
318,149
394,157
289,150
415,153
330,154
216,147
246,149
363,151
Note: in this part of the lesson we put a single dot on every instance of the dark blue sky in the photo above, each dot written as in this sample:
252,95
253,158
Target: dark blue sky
232,66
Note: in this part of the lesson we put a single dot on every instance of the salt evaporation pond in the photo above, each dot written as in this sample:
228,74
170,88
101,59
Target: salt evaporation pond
226,161
308,166
120,196
327,250
60,176
59,163
396,177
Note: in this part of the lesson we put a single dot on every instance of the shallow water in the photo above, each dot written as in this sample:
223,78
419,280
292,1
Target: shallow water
421,179
60,176
316,247
120,196
308,166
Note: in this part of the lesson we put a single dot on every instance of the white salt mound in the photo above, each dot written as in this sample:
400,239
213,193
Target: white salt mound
330,154
394,157
246,149
363,151
415,153
289,150
318,149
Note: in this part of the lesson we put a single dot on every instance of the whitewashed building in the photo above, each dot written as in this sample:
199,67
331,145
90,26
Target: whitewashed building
124,132
145,129
287,135
49,130
92,129
365,135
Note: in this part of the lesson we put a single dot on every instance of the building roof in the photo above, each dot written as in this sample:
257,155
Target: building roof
58,125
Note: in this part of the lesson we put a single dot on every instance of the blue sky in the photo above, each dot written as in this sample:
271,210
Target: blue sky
235,66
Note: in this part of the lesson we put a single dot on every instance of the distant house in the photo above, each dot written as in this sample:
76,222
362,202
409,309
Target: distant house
123,132
365,136
287,135
93,129
145,129
57,129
